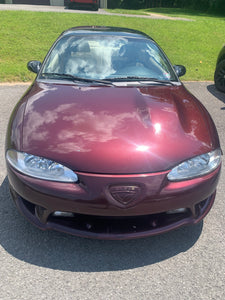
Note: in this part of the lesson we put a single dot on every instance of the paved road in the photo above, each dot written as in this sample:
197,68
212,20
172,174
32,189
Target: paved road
60,9
185,264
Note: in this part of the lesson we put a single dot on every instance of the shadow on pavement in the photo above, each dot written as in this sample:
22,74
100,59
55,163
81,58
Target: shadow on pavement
64,252
219,95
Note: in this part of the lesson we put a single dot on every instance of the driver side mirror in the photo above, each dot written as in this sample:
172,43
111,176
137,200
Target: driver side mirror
180,70
34,66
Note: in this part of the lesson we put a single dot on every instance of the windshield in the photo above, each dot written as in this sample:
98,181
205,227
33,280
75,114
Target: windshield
108,57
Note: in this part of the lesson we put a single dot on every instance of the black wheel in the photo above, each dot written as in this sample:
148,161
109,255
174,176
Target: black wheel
219,76
95,7
71,5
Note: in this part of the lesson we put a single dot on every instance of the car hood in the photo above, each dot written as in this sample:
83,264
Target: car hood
115,130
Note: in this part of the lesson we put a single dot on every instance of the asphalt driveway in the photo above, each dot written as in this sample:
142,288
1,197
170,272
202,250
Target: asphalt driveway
188,263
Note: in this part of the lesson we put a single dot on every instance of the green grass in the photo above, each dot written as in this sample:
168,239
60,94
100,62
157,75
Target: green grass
28,35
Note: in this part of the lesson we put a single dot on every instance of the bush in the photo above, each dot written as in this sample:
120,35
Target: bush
217,6
114,4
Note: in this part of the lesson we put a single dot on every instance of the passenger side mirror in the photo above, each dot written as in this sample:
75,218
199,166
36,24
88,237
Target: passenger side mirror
34,66
180,70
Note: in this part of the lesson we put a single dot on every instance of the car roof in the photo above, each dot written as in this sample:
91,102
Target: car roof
104,30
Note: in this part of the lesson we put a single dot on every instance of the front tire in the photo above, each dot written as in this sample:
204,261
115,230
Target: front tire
71,5
95,7
219,76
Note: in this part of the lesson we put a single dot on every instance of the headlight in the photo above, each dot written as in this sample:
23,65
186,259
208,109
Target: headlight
40,167
196,166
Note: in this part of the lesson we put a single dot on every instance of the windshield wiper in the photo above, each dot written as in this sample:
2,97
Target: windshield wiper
146,79
76,78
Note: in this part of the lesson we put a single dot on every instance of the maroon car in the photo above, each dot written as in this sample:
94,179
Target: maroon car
107,142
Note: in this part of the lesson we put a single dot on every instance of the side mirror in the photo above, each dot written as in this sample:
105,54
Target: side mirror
34,66
180,70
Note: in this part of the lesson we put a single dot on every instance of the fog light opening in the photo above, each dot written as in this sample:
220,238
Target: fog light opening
177,211
63,214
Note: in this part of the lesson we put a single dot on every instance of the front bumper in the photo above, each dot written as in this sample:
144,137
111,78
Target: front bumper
95,213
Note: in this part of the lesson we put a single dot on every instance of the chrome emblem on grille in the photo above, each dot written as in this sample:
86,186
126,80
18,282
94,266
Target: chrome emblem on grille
125,194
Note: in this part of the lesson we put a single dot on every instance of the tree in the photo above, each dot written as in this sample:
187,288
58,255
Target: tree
203,5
